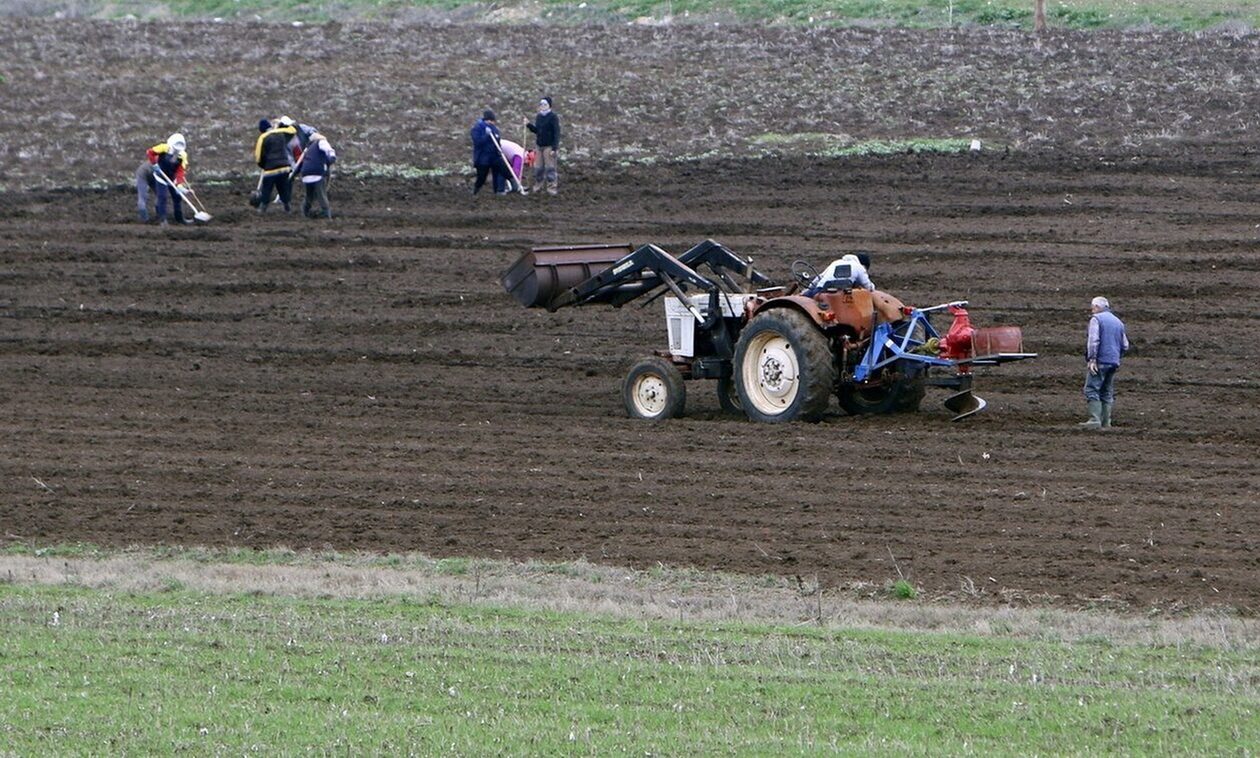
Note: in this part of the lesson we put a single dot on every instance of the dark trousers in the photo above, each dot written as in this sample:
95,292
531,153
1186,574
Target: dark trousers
316,192
499,181
273,183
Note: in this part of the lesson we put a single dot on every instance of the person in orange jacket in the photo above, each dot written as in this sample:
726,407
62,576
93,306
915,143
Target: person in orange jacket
171,159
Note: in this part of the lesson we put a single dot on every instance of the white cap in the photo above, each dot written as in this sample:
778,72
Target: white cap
1100,302
285,121
176,142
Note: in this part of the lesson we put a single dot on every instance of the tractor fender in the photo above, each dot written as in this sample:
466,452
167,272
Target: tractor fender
806,305
855,310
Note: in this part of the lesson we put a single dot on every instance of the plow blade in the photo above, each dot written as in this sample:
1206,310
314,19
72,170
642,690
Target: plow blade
964,404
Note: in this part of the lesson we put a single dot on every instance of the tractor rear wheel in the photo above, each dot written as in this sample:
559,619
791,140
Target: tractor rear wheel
784,369
654,389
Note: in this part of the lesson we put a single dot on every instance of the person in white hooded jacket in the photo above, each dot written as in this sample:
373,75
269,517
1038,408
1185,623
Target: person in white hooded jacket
858,264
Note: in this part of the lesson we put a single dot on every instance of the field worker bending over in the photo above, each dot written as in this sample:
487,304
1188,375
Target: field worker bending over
277,162
857,264
1105,342
171,158
515,155
316,163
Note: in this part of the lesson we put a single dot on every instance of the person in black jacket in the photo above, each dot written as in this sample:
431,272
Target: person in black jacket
277,162
546,129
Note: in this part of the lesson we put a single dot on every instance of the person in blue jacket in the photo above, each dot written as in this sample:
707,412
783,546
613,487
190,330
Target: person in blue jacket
486,158
1106,341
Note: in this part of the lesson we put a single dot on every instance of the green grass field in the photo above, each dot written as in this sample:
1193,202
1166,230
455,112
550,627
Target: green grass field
1188,15
91,671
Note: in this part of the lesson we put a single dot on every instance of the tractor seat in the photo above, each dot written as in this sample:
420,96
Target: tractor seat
837,285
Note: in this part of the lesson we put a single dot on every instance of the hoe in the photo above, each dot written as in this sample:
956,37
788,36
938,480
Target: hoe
778,353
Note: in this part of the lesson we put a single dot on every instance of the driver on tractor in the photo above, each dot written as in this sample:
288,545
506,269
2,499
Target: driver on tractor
858,265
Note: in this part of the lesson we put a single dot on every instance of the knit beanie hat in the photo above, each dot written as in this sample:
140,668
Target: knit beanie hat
263,125
488,115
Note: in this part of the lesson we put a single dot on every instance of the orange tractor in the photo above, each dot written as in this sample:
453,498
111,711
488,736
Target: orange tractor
778,353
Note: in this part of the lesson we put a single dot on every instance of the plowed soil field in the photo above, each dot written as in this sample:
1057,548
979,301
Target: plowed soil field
366,384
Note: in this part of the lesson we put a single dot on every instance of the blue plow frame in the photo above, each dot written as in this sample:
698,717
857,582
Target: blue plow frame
889,344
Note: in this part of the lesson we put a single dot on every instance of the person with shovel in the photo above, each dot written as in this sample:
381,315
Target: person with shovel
276,161
163,173
315,169
546,129
487,158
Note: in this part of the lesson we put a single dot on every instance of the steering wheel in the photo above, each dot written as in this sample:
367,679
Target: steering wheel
804,272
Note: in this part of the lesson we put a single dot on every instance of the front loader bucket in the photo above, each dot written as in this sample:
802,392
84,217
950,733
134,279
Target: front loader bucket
964,404
541,275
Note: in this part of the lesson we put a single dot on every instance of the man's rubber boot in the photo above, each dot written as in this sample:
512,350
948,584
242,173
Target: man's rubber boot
1105,417
1095,415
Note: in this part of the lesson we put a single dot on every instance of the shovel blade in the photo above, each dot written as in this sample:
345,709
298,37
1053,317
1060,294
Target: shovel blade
202,216
964,404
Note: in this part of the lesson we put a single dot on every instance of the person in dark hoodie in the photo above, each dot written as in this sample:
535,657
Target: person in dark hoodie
277,162
546,129
486,158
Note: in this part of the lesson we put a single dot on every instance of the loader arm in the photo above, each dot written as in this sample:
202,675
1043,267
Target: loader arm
630,277
721,260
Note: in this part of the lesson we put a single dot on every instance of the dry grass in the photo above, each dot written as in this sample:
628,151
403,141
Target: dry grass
615,593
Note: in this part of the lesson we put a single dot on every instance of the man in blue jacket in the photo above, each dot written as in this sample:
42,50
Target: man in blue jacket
1105,343
486,158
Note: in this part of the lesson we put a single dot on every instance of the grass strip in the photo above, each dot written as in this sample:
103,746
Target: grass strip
1185,15
89,671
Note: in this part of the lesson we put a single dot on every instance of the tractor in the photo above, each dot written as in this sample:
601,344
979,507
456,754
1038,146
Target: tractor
777,352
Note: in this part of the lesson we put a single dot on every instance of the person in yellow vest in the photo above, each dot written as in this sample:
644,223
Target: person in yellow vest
277,161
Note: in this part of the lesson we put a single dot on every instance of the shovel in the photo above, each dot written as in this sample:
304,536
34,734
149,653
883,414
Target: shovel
199,215
200,205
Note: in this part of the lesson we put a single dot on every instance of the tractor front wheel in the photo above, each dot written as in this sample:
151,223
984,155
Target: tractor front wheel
784,369
654,389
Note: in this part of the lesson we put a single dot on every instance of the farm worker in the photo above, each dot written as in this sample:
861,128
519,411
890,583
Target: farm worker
314,169
546,129
485,158
1105,342
273,156
857,264
171,158
515,155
